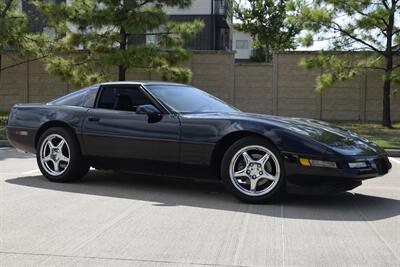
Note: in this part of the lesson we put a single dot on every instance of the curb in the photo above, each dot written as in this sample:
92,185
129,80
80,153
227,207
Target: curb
390,152
393,152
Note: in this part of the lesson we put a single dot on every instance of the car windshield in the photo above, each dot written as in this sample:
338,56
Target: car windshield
187,99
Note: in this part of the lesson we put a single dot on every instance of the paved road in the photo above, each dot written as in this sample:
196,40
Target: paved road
114,220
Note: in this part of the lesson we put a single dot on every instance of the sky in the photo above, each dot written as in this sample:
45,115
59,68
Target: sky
319,45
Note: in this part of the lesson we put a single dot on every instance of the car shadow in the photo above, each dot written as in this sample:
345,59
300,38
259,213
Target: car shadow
161,191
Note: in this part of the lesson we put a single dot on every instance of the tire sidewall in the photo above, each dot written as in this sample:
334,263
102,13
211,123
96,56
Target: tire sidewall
247,141
76,162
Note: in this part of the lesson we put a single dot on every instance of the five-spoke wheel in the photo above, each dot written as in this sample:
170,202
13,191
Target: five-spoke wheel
55,154
251,169
254,170
59,156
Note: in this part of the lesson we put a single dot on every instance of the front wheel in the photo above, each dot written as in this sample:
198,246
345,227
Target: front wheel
252,170
59,157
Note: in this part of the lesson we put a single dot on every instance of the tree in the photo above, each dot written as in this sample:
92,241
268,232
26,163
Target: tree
348,26
15,35
103,29
265,21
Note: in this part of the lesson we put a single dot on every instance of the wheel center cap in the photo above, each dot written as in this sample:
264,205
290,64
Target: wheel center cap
54,154
255,170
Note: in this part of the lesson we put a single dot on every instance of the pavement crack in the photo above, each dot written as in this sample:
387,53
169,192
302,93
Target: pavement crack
362,215
118,258
242,236
283,234
106,227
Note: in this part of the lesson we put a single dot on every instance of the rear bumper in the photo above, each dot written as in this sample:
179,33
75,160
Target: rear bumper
22,138
329,180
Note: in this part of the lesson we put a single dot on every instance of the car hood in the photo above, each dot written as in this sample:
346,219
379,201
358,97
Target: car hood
339,140
336,139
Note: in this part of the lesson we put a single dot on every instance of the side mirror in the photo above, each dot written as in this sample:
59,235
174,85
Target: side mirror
151,111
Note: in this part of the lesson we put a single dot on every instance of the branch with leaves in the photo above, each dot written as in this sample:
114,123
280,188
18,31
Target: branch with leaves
104,30
265,21
370,26
15,36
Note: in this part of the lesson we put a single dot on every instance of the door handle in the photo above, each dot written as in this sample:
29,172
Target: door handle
93,119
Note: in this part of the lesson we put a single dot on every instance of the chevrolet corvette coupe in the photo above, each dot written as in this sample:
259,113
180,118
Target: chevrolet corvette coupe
177,130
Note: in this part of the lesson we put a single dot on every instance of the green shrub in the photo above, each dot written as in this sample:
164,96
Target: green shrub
3,119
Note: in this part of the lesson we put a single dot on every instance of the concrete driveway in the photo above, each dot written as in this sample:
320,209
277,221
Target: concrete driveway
109,219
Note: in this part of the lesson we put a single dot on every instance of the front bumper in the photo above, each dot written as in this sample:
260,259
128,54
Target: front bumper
329,180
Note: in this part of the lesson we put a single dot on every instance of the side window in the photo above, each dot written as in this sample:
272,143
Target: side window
90,97
72,99
107,98
122,98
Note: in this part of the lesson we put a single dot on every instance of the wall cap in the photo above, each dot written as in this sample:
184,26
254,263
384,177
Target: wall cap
221,52
254,64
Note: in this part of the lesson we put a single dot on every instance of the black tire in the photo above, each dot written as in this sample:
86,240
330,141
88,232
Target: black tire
77,167
278,189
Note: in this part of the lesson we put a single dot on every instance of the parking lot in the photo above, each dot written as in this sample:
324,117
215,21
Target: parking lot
109,219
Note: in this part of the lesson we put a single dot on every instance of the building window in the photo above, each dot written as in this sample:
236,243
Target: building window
153,36
16,3
50,32
242,44
19,5
220,7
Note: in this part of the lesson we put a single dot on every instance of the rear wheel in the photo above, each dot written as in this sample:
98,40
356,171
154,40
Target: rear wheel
252,170
59,157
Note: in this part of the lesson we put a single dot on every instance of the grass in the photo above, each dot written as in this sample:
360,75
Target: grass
3,120
3,135
384,137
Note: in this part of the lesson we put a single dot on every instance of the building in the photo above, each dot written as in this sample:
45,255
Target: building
217,18
242,44
216,15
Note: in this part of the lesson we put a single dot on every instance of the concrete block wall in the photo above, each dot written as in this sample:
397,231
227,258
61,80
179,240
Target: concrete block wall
13,82
344,101
214,73
374,98
295,94
43,87
253,88
280,88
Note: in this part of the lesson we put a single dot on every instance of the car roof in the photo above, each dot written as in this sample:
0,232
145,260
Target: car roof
144,83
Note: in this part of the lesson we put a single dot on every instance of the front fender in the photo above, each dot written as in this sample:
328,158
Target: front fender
284,139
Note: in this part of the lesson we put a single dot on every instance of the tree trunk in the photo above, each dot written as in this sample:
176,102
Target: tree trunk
386,119
122,46
268,54
121,73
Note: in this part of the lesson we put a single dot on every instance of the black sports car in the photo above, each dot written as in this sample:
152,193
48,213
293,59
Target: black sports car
180,131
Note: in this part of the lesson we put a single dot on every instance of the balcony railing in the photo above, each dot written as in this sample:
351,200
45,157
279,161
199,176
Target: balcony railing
221,7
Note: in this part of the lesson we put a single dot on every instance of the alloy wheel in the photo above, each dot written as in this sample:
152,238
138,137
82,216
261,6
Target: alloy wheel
55,154
254,170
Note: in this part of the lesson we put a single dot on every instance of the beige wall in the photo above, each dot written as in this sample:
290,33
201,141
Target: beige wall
281,88
253,88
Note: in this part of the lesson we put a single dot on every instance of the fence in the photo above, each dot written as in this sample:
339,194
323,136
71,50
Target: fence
280,88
